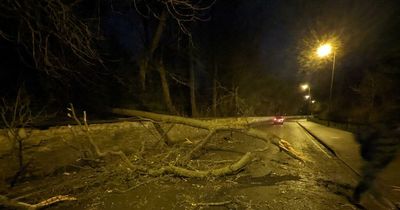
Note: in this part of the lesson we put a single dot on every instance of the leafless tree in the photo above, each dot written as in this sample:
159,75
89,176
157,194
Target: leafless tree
52,34
183,12
17,116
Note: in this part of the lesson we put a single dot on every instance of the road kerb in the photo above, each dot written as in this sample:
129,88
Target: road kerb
319,140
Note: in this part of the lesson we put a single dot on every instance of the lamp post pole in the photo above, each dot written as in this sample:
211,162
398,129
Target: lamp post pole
332,78
324,51
309,100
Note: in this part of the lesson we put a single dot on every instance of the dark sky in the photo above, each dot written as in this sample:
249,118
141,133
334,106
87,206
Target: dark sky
274,30
249,40
270,34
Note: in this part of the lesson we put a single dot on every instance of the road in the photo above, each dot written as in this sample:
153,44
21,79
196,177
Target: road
347,149
324,181
274,181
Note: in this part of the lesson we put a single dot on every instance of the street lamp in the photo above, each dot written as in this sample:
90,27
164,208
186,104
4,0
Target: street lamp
307,97
305,87
324,51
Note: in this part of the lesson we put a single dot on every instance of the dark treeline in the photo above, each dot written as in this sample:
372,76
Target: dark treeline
222,58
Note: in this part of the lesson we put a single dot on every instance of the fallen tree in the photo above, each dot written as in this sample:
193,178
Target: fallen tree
169,160
178,165
213,127
169,169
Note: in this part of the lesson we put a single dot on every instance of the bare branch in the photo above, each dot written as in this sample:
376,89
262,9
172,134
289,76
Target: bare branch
53,35
215,126
178,79
11,203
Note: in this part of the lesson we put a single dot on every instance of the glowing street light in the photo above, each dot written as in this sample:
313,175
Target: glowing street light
304,86
324,51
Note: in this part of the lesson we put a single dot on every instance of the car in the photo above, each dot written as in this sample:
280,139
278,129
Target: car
278,120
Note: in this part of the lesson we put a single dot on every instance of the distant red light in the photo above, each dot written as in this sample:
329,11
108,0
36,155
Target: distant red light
278,119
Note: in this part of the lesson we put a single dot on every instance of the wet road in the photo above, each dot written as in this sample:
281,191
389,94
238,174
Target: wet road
324,182
320,159
274,181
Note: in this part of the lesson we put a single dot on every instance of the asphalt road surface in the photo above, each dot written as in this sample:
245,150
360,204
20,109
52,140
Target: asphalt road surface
275,181
323,182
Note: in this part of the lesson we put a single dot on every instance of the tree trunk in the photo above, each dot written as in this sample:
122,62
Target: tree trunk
143,66
215,94
236,100
144,63
165,88
192,84
20,154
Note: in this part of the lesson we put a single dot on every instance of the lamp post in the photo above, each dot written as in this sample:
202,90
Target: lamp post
307,97
324,51
306,87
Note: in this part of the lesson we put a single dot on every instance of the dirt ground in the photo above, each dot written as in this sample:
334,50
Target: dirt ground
273,180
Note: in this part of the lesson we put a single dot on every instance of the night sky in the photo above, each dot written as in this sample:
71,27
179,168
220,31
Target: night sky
263,47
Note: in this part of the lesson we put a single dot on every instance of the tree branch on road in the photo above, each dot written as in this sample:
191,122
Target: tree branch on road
214,126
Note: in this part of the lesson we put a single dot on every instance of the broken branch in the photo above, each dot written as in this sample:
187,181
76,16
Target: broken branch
229,169
11,203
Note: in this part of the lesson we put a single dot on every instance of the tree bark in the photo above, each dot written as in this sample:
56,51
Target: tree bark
215,94
20,153
192,84
236,101
229,169
165,88
144,63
